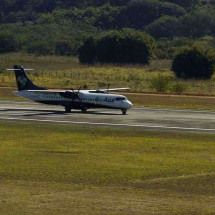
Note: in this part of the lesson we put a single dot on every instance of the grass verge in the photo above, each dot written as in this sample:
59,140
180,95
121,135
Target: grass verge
50,169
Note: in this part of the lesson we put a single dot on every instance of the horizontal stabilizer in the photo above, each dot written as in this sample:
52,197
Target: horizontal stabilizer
19,69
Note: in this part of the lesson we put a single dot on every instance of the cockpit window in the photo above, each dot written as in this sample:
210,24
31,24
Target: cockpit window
120,98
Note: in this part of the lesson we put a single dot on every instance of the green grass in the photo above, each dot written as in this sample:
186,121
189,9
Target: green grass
48,169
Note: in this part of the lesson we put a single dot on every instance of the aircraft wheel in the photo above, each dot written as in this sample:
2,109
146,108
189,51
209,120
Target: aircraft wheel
84,109
67,110
124,111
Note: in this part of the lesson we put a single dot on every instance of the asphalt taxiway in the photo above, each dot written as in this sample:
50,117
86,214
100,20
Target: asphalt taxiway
201,121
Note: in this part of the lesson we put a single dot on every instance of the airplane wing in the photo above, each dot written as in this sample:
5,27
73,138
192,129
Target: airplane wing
48,91
71,94
117,89
63,91
111,89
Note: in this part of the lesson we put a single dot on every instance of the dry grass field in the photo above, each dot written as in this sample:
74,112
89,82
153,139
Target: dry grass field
65,72
48,169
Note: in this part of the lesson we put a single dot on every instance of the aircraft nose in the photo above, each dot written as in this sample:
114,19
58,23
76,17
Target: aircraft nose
129,105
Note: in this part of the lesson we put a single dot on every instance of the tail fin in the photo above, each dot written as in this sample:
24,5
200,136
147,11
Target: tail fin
23,82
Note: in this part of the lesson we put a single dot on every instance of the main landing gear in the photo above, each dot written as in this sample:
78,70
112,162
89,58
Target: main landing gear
124,111
67,110
84,109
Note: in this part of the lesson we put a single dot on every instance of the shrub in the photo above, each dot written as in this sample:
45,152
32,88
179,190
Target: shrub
160,83
193,63
178,88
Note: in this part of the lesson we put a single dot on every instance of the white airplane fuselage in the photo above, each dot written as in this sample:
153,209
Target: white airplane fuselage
86,99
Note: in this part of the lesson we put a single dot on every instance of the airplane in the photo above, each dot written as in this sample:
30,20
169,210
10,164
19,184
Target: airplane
69,99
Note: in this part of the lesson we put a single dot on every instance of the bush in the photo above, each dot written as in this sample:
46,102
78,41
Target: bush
159,83
178,88
193,63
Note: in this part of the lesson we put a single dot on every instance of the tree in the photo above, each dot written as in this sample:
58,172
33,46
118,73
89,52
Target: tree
166,26
7,43
118,47
193,63
87,52
126,46
198,23
64,46
39,48
188,4
139,13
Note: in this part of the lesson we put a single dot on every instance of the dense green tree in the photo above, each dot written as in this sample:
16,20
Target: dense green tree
40,48
198,23
193,63
166,26
64,47
188,4
67,46
30,21
88,51
7,43
139,13
85,3
118,47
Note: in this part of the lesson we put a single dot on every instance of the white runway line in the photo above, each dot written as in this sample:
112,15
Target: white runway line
174,110
45,107
110,124
15,113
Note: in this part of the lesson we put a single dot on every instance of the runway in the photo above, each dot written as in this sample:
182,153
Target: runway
137,118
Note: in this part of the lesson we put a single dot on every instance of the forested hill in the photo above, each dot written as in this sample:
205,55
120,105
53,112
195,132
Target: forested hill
49,21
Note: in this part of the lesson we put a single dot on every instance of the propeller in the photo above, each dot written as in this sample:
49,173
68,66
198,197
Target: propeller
72,95
76,94
108,87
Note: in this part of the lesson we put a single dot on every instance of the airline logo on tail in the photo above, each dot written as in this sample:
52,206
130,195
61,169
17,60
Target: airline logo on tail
22,81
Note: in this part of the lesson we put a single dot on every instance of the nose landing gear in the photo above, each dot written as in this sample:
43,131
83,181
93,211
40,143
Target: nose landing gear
124,111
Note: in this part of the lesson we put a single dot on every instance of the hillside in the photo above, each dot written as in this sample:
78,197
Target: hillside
41,26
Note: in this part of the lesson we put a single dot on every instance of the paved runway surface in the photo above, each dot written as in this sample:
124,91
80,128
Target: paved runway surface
139,118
